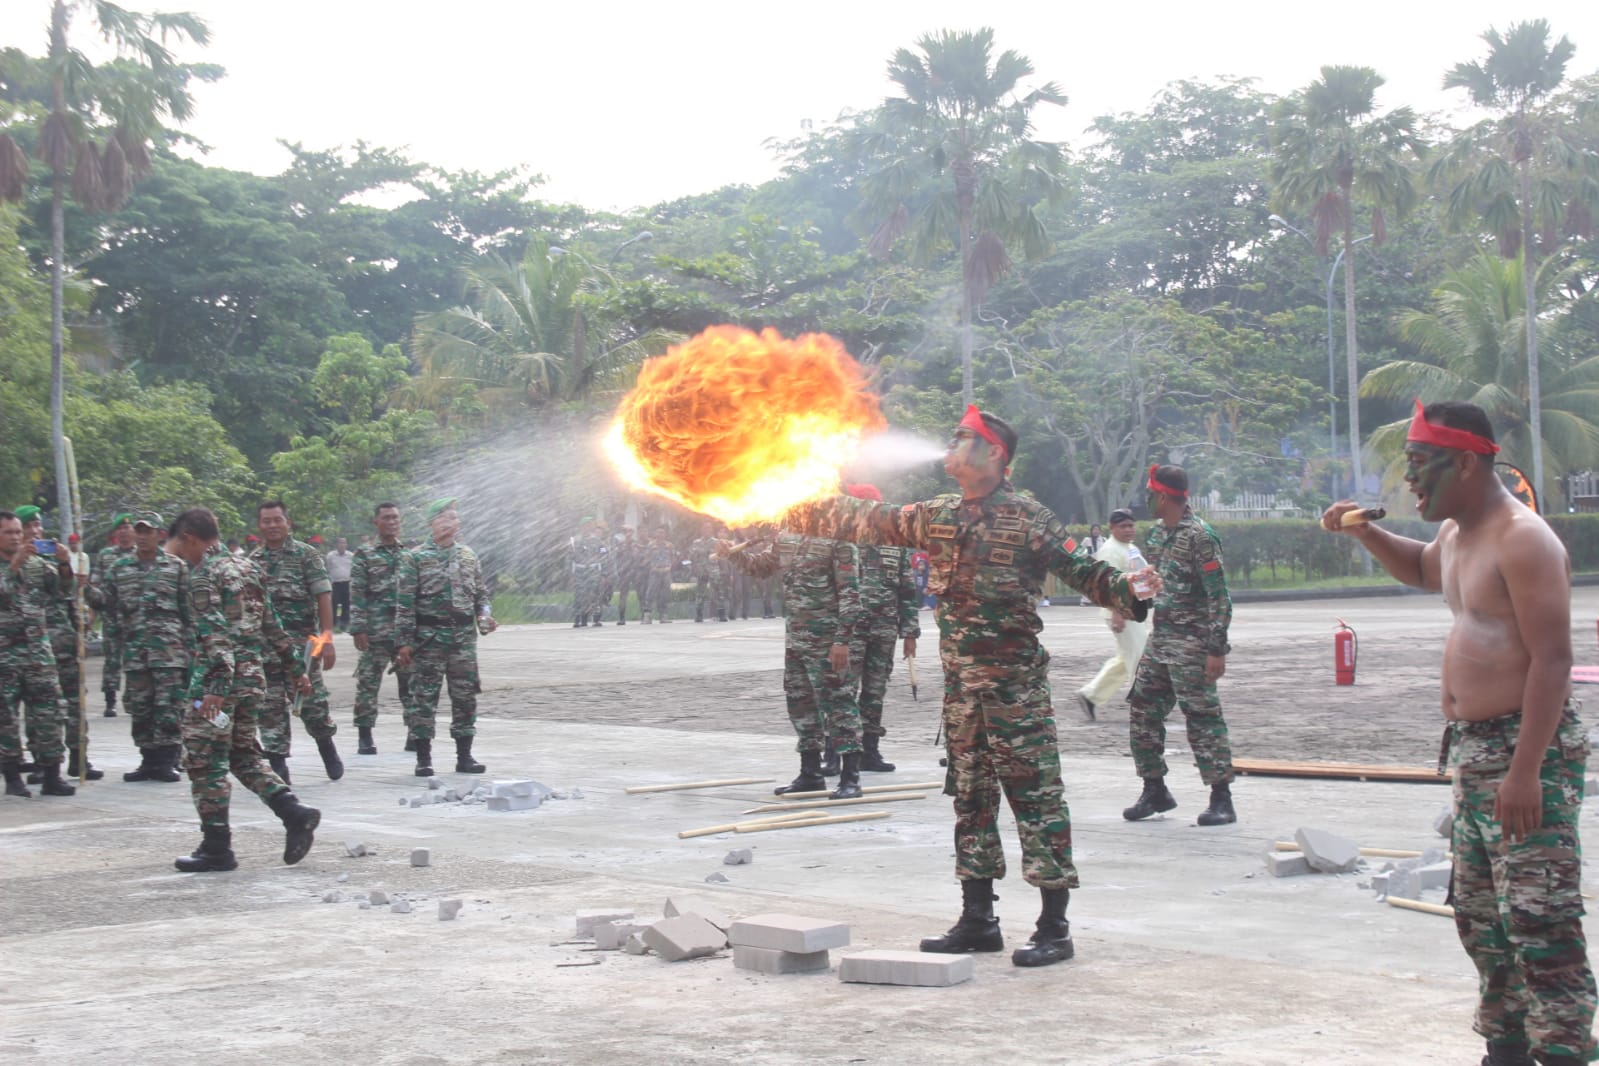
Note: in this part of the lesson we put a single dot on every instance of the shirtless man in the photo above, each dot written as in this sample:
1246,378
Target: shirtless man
1520,751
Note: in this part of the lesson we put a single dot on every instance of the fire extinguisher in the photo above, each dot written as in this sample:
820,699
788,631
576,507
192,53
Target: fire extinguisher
1345,647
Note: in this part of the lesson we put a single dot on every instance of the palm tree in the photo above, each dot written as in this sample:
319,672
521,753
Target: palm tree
1331,151
960,123
1472,345
133,95
1521,174
532,332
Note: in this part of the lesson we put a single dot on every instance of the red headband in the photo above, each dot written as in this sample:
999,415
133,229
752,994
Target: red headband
973,420
1164,490
1461,440
864,492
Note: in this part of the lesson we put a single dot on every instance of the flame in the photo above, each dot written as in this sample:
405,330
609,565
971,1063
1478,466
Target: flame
742,426
314,645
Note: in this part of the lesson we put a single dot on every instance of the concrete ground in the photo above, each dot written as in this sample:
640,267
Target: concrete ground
1187,951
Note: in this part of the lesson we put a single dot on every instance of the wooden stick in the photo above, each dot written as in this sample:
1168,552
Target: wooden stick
698,784
1418,905
870,790
712,830
883,797
1375,853
798,823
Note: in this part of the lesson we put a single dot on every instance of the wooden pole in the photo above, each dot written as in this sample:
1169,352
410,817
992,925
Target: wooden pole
884,797
798,823
1374,853
712,830
1418,905
81,606
636,789
869,790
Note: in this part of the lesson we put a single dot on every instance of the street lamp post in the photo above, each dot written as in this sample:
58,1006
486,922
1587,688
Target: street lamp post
642,235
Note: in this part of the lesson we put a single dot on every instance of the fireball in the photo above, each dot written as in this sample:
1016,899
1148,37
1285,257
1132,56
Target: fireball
742,426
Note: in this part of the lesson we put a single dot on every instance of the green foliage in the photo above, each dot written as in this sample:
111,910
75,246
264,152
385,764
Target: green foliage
353,380
330,482
24,372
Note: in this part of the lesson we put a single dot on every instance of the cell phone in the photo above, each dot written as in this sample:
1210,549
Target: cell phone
45,547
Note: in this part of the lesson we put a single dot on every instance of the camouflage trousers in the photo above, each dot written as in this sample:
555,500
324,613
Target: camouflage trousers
1518,906
64,646
155,698
111,672
585,593
821,703
210,754
1156,687
710,595
369,670
624,585
447,659
1002,738
30,701
873,659
658,596
277,707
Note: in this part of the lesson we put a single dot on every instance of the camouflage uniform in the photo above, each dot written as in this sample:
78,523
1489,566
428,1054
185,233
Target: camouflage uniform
710,580
588,553
889,595
441,596
1518,906
659,558
294,576
111,674
27,670
1191,619
631,572
147,608
822,581
988,559
374,605
235,628
60,617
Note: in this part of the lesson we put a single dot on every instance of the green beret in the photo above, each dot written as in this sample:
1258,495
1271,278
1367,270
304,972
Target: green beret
27,514
122,518
438,507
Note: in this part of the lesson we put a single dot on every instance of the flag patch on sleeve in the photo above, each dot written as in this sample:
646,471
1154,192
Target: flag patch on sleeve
1214,564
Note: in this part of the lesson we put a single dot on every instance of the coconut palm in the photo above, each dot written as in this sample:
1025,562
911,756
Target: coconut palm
1331,151
953,161
132,96
1522,174
1472,346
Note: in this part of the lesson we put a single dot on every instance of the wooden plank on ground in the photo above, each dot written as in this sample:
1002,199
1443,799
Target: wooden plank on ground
1340,770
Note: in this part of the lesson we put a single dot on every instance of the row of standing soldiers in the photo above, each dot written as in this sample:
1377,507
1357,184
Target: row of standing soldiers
602,566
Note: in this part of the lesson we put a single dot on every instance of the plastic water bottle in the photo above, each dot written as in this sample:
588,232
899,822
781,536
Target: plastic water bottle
220,721
1135,563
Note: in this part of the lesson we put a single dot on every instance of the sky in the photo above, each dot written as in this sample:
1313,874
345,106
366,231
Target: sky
624,104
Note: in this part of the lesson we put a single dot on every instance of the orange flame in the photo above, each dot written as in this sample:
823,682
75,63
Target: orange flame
742,426
314,645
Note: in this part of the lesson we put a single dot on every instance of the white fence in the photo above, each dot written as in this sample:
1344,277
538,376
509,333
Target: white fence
1249,505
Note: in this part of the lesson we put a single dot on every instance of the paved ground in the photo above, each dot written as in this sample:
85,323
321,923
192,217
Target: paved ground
1188,953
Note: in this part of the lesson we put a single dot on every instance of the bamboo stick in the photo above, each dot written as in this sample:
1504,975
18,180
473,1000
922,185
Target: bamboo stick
884,797
712,830
797,823
634,790
870,790
1374,853
1418,905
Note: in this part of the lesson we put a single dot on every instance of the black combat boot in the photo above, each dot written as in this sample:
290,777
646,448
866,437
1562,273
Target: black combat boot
300,821
579,624
14,785
464,763
330,758
871,758
830,763
1155,798
1547,1058
214,855
111,703
280,765
1220,811
810,777
424,757
410,742
50,774
164,763
849,778
977,929
1517,1054
365,745
147,757
89,773
699,612
1052,937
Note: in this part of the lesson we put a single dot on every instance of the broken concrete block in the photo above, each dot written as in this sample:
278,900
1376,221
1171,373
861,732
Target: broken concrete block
585,921
377,897
363,905
1286,863
404,801
688,936
677,905
1430,856
1403,884
905,968
416,801
577,794
433,783
400,906
789,932
634,945
1379,884
448,909
421,857
611,936
354,849
343,878
332,897
766,960
513,803
1435,876
1444,823
451,796
1328,852
716,879
739,857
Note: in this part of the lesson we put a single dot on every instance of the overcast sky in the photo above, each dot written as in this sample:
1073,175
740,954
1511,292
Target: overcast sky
627,104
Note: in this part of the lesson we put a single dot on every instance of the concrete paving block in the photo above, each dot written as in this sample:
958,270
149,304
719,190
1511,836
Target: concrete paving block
421,856
766,960
1379,884
1435,875
739,857
400,906
585,921
513,803
1328,852
789,932
448,909
377,897
611,936
1444,823
634,945
1403,884
1286,863
687,936
712,913
905,968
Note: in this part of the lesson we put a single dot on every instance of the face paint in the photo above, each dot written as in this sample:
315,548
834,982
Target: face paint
1430,473
965,450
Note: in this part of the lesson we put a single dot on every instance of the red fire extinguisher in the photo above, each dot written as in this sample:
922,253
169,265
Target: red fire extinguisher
1345,647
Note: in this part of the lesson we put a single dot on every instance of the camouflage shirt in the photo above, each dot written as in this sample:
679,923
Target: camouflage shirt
704,563
589,553
146,606
987,559
659,556
888,590
21,612
821,583
294,575
375,589
628,561
235,626
440,589
1193,612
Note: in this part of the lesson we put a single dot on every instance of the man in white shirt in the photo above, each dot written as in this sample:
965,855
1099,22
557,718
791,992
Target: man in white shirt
1130,636
339,562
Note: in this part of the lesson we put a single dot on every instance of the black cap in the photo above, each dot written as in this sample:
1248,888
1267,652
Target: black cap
1120,514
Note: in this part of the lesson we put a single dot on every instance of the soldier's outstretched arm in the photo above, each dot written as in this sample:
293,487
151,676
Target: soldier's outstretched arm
861,521
907,601
1101,582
